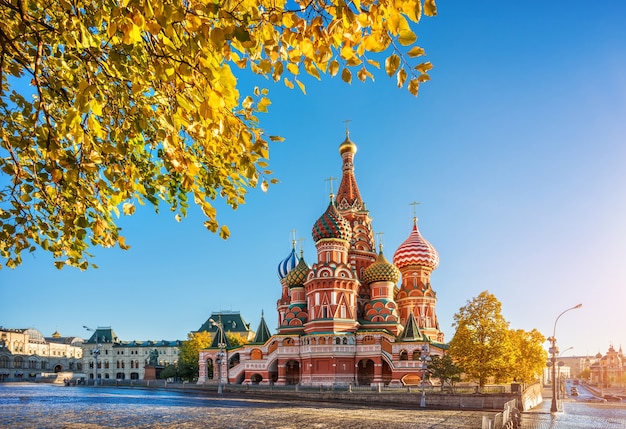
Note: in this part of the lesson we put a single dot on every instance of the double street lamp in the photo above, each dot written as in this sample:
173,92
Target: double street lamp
424,359
554,351
219,358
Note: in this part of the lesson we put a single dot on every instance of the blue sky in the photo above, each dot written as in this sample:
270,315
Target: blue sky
515,150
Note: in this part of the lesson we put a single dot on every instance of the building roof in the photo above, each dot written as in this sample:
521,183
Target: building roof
103,334
231,320
412,331
262,333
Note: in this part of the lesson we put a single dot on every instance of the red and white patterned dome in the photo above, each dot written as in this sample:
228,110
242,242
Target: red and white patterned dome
416,251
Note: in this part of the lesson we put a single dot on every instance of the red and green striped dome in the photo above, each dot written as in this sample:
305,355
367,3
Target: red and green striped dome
332,225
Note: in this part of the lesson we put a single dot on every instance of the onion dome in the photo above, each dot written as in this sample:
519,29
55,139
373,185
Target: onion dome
416,251
332,225
297,276
347,146
287,264
381,271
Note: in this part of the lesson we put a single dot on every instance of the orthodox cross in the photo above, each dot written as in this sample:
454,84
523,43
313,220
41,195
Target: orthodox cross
347,121
330,179
414,204
293,238
380,240
301,240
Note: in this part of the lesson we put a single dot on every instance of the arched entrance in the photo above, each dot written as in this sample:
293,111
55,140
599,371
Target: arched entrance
292,372
209,369
256,378
272,371
58,368
365,372
387,373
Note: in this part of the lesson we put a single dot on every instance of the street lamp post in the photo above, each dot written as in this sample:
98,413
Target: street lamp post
220,355
424,358
95,353
554,351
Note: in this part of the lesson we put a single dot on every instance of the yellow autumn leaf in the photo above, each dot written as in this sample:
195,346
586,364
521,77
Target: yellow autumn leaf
413,86
391,64
424,67
407,37
415,51
293,69
401,77
301,86
128,209
430,8
333,68
224,232
346,75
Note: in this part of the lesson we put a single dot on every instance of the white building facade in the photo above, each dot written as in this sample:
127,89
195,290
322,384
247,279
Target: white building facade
26,355
124,360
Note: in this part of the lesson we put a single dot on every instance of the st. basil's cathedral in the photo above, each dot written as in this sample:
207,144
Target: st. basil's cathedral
344,319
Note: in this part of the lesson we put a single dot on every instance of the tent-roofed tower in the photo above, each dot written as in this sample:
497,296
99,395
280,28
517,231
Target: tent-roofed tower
362,250
331,286
416,258
262,333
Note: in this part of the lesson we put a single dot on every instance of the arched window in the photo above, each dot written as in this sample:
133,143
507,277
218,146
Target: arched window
404,355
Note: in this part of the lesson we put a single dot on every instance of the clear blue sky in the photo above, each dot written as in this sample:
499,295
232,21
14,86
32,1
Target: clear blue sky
515,149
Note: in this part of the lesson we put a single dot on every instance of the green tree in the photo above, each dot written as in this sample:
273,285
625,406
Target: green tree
169,371
136,102
189,354
444,368
529,356
481,343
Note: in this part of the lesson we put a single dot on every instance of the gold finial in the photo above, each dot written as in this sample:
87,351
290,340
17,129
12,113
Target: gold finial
330,179
414,204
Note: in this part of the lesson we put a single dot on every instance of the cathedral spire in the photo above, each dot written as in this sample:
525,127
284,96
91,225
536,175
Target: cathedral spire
348,195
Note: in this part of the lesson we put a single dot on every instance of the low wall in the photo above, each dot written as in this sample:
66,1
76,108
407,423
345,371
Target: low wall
448,401
531,397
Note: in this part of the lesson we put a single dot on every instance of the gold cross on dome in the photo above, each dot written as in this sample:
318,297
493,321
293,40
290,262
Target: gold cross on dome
347,122
414,204
380,240
331,179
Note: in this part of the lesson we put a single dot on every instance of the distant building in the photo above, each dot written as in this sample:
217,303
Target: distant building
25,354
610,369
124,360
352,317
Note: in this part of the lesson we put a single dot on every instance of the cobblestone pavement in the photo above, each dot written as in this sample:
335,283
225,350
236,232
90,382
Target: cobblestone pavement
44,406
41,406
576,415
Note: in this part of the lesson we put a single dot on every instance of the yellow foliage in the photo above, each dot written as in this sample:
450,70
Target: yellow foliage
137,101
